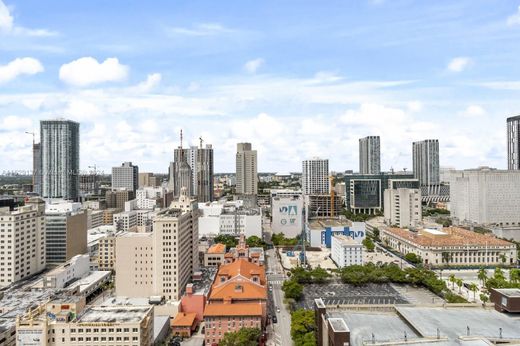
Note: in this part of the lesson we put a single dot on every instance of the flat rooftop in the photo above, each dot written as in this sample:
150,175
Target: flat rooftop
509,292
322,223
117,314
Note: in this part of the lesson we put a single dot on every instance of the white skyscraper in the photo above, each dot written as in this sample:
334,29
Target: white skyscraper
125,176
426,162
200,161
246,170
59,149
513,142
370,155
315,177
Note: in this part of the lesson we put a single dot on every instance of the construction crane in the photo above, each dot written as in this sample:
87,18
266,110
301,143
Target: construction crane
331,179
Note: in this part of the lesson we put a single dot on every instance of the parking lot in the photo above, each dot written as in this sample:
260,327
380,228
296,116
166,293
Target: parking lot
340,293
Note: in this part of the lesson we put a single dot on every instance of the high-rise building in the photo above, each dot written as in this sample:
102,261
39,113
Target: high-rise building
66,231
148,180
315,176
200,161
369,155
59,147
426,162
118,198
169,254
513,143
37,162
24,229
125,176
403,207
246,170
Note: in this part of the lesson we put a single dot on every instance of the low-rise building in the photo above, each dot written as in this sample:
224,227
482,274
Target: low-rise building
345,251
450,246
77,267
506,299
125,220
69,321
320,231
215,255
231,218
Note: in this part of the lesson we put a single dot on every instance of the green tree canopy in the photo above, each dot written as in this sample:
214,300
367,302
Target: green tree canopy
302,327
228,240
243,337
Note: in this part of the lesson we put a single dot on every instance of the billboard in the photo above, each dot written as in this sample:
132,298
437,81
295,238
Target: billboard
287,215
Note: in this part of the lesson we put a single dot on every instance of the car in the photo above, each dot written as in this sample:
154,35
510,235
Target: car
274,319
278,310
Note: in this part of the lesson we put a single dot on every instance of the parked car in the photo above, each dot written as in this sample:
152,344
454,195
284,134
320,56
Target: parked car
274,319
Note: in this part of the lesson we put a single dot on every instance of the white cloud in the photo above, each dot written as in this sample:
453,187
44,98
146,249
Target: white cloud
514,19
474,111
152,81
87,71
12,122
415,106
18,67
7,25
253,65
459,64
201,29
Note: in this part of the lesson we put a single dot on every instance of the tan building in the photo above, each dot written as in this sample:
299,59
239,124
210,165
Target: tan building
107,251
69,322
22,234
246,170
451,246
117,198
215,255
159,263
108,215
148,180
403,207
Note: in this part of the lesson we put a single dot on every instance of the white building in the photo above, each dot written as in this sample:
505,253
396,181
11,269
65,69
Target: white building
369,155
229,218
146,198
77,267
403,207
486,196
287,212
315,176
426,161
345,251
125,176
22,234
125,220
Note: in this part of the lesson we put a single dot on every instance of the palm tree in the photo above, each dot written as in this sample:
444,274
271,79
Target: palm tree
482,275
514,275
452,279
459,283
503,258
473,288
499,274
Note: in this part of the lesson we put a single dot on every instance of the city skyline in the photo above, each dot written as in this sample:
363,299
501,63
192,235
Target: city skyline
289,84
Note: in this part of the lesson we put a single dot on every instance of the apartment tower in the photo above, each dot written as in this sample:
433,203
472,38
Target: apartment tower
426,162
246,170
369,155
513,143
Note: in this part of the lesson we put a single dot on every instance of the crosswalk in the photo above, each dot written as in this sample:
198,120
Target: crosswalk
276,282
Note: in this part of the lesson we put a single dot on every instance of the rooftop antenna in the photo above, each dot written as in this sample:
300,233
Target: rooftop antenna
181,138
201,141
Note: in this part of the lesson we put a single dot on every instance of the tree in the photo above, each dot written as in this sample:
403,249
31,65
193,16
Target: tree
482,275
375,233
484,298
302,327
452,279
320,275
503,258
459,284
369,244
292,289
245,336
228,240
254,241
413,258
499,274
473,288
514,275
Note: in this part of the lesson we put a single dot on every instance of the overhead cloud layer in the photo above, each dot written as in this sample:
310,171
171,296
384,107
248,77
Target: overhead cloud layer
87,71
19,67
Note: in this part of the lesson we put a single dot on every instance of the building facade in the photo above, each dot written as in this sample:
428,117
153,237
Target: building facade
370,155
485,196
315,176
426,161
450,246
345,251
513,143
125,176
403,207
59,149
24,231
246,170
287,213
200,161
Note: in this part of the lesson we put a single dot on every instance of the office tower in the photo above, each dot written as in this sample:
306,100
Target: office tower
513,143
148,180
369,155
200,161
246,170
117,198
403,207
24,229
169,254
66,231
426,162
315,176
59,146
125,177
37,176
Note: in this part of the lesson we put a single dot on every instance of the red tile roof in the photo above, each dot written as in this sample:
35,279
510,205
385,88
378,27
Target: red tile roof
253,309
184,319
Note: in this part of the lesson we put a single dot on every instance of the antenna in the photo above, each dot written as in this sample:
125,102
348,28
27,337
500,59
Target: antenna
201,141
181,138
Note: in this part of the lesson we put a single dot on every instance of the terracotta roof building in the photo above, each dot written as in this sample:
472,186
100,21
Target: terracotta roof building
215,255
184,324
450,246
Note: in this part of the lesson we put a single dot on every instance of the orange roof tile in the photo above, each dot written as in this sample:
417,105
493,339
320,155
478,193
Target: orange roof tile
233,310
248,290
184,319
217,248
243,267
455,237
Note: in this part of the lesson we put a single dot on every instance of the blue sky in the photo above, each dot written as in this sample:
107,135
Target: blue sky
296,78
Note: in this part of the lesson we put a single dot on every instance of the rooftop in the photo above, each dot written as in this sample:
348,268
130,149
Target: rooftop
509,292
322,223
233,310
217,248
344,240
450,236
117,314
184,319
